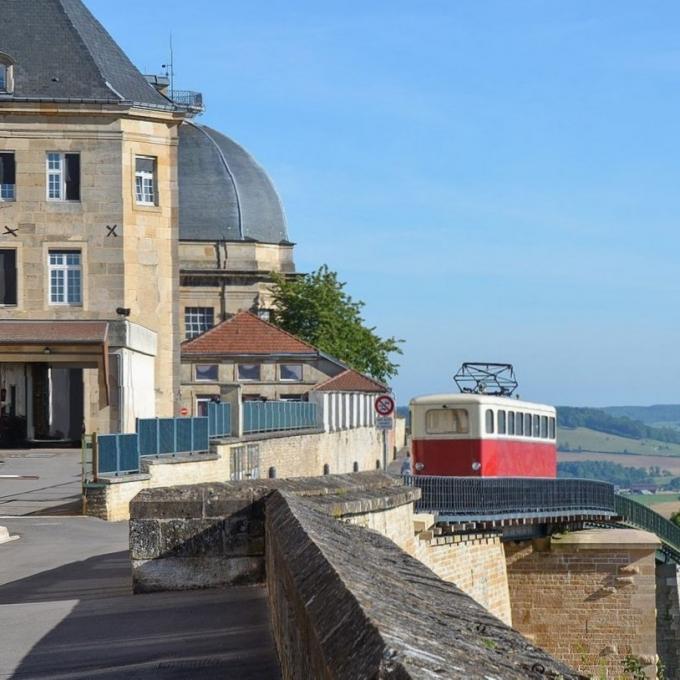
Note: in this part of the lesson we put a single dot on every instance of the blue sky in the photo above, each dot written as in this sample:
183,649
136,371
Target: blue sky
496,180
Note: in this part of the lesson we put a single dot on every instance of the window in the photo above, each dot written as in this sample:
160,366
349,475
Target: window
63,176
65,277
290,372
8,276
537,426
511,422
7,176
202,401
519,430
501,422
527,424
249,371
6,75
145,180
447,421
198,320
207,372
489,421
290,397
552,428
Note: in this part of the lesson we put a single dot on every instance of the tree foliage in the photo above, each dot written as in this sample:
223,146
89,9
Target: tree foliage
316,308
600,420
614,473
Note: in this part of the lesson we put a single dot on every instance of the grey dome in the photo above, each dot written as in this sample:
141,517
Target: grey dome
224,194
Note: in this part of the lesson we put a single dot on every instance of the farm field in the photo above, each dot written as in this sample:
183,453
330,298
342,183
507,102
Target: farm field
666,462
664,503
590,440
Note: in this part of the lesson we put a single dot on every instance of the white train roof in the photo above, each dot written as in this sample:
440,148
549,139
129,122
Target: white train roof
459,399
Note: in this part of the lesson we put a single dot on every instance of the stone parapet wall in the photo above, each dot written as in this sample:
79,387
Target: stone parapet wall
213,534
349,603
587,597
668,617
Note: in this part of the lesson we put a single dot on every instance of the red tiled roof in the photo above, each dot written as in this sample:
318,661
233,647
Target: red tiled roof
52,332
351,381
246,333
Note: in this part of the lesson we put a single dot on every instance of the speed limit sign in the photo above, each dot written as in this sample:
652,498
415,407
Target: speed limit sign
384,405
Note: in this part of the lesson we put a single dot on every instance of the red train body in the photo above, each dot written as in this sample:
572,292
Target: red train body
474,435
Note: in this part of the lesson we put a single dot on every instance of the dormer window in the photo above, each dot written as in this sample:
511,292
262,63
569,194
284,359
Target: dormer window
6,74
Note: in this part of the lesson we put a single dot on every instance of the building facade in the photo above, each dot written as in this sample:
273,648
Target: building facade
124,228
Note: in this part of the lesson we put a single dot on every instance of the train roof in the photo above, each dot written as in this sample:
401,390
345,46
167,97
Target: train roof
486,399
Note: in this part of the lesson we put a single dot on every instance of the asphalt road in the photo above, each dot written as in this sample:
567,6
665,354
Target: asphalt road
57,491
67,613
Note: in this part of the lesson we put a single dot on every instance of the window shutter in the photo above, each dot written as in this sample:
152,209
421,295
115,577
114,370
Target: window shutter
72,177
7,168
8,277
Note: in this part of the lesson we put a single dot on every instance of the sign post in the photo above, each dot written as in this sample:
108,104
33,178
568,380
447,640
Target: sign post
384,407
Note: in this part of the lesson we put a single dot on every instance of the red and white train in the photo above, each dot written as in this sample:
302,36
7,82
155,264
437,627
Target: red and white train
479,435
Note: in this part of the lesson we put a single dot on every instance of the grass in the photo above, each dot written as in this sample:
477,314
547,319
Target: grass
655,499
601,442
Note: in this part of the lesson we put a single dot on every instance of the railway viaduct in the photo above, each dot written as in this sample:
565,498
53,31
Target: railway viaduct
371,577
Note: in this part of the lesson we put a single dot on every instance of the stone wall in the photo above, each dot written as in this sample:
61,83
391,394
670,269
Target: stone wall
301,455
475,562
349,603
213,534
587,597
668,617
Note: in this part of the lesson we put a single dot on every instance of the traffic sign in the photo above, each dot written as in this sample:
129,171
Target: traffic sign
384,422
384,405
184,411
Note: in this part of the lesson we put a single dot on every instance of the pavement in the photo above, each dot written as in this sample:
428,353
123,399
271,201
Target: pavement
66,606
57,491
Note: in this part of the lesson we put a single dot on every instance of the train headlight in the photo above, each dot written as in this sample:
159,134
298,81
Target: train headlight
476,466
419,466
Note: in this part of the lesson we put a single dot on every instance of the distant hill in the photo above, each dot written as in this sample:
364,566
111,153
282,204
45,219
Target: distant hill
656,415
601,421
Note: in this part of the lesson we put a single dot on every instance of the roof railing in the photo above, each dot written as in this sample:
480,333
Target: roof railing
193,101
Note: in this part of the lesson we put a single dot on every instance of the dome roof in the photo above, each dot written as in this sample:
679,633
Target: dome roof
224,194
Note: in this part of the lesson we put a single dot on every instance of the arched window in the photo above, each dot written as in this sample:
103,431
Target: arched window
6,74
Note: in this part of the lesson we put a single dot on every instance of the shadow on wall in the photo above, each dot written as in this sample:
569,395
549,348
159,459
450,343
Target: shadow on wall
100,629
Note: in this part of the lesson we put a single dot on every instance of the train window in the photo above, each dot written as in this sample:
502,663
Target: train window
552,428
519,430
527,424
537,426
511,422
447,421
544,427
501,422
489,421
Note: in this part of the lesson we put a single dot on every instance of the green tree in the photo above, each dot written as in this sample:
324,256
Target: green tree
675,518
316,308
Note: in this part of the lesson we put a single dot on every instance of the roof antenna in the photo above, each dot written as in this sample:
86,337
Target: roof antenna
170,70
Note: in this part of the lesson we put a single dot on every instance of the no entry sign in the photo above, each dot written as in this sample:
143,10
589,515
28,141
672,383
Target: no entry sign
384,405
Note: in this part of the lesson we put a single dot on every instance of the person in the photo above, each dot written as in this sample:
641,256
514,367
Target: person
406,465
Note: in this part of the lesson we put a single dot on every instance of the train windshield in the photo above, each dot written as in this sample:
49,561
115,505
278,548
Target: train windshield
447,421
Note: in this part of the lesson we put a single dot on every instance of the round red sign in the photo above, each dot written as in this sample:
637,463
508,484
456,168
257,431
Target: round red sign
184,411
384,405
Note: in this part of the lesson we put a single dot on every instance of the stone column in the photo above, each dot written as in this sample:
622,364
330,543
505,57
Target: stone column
588,597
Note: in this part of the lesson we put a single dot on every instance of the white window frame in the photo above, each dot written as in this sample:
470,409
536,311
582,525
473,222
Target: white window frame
7,87
143,180
208,380
4,78
60,176
250,380
8,192
64,268
194,319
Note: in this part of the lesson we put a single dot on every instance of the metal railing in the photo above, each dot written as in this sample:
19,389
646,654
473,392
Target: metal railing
274,416
491,498
170,436
641,516
189,98
219,419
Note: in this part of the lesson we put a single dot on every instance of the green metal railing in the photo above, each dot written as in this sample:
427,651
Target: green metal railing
276,416
641,516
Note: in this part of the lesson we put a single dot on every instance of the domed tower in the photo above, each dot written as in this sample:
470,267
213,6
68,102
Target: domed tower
232,230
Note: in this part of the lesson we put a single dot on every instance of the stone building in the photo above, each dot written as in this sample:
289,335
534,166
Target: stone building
125,228
261,362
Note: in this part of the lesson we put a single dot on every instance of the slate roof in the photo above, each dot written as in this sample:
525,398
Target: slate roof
246,334
351,381
61,52
224,194
52,332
